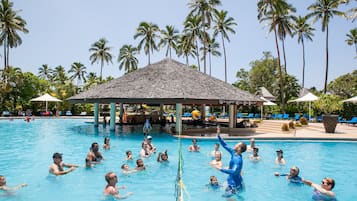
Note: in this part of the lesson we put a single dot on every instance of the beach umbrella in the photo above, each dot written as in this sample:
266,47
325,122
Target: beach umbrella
309,97
46,98
266,102
351,100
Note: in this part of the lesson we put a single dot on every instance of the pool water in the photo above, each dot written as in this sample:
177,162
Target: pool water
26,153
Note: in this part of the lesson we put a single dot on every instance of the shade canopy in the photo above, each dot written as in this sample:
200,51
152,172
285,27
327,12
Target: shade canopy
46,98
309,97
267,102
166,82
263,92
351,100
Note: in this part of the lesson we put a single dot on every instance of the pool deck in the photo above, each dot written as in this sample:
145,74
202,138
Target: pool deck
268,130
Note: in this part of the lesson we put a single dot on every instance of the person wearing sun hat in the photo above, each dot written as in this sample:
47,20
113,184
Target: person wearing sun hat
57,167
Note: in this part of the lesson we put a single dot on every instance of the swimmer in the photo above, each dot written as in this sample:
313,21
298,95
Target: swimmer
147,148
255,156
147,127
215,150
106,144
217,162
293,175
125,169
140,165
323,192
163,157
4,187
111,188
129,155
213,182
279,160
234,180
57,167
94,156
251,145
194,147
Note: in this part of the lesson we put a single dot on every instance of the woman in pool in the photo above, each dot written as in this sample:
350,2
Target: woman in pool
279,160
217,162
106,144
323,192
234,180
4,187
111,188
163,157
194,147
255,157
140,165
293,175
129,155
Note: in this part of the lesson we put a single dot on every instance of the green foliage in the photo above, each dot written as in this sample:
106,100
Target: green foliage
303,121
345,85
291,125
328,103
285,127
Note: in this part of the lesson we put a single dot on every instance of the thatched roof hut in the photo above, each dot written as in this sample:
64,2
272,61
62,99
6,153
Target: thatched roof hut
166,82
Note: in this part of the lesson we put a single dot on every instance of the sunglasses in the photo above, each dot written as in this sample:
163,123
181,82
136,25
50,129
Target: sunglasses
325,182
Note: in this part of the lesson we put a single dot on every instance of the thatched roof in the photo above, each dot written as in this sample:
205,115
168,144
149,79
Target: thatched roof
166,82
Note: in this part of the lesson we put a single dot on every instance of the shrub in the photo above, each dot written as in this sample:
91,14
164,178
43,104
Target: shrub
298,124
303,121
285,127
292,125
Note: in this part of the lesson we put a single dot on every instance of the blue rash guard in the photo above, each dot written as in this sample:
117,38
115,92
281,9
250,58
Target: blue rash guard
234,179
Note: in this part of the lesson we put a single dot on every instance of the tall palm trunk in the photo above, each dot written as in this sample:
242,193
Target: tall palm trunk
187,60
149,57
280,71
198,57
225,59
284,56
204,42
101,69
303,62
326,73
210,66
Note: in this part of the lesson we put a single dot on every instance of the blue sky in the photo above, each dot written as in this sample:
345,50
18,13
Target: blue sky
62,31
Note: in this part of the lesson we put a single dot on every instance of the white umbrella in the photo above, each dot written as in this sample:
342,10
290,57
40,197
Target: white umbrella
266,102
309,97
47,98
352,100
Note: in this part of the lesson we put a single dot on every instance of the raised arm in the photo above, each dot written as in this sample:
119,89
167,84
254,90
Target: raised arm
224,144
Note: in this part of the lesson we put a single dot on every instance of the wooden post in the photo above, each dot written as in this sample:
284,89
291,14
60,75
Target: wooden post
112,116
232,116
178,118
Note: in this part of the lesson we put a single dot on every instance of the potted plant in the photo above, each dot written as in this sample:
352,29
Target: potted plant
328,104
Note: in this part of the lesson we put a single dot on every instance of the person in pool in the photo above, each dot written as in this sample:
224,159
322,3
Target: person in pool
255,157
217,162
57,167
4,187
215,150
279,160
94,156
111,188
140,165
126,170
129,155
251,145
234,180
163,157
194,147
323,192
106,144
293,175
213,182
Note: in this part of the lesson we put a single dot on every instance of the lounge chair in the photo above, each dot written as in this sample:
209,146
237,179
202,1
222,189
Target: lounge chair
68,113
83,113
353,121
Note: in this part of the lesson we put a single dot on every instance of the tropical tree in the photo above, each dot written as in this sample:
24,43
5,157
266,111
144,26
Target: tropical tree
100,52
78,71
127,58
169,38
345,85
10,24
186,47
304,31
92,80
212,49
268,8
352,38
193,32
59,75
148,34
45,72
223,25
243,80
324,10
204,9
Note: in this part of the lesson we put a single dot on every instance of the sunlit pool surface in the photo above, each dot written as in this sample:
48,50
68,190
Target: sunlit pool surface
26,153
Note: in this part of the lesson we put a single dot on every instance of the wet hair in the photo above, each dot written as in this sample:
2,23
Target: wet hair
243,148
331,181
296,168
105,140
127,152
122,166
93,144
107,176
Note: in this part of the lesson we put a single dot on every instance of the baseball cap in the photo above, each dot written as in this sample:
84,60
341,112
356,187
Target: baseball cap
149,137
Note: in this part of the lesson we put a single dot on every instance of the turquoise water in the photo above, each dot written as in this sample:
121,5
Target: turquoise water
26,153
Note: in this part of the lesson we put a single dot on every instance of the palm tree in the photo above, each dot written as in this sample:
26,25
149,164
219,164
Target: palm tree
78,71
352,38
45,72
169,38
59,75
100,53
92,80
324,10
192,30
304,31
212,49
147,32
204,9
127,58
223,25
11,23
268,8
186,47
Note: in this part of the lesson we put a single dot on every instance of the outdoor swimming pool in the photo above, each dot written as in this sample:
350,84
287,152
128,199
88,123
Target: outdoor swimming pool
26,153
